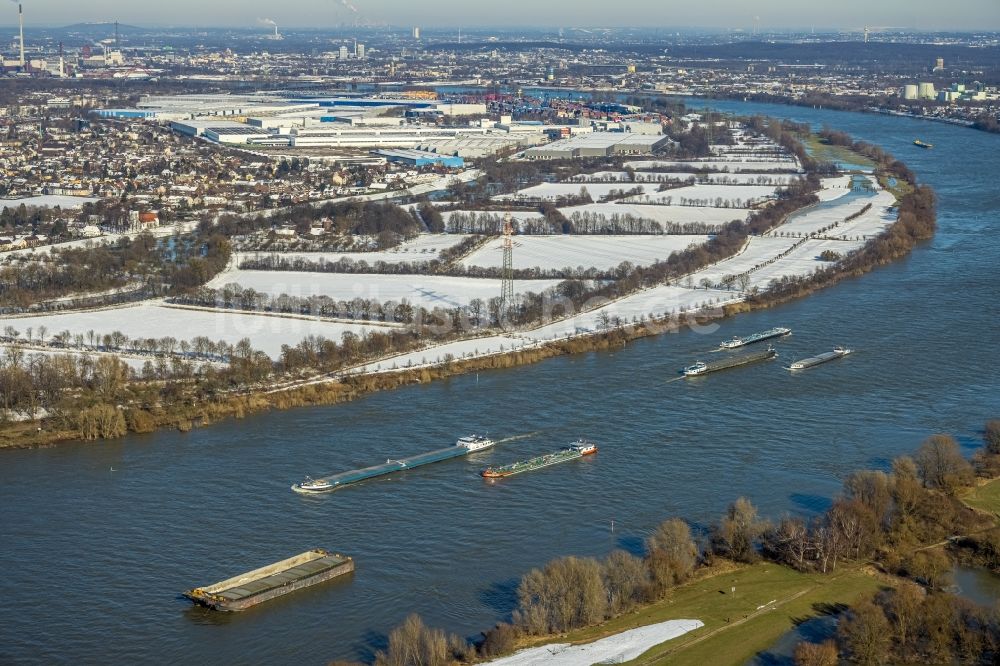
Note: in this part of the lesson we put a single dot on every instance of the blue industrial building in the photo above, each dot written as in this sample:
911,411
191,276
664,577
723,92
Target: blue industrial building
126,113
421,158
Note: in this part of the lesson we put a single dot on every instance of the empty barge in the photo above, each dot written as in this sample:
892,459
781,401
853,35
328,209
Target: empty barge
462,447
838,352
702,368
274,580
778,332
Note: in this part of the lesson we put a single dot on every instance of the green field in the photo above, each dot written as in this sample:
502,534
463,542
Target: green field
828,153
985,497
735,630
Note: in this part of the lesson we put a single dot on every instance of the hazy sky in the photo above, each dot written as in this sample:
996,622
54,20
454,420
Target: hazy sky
920,14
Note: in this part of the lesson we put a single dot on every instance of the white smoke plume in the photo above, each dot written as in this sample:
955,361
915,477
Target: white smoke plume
349,6
266,21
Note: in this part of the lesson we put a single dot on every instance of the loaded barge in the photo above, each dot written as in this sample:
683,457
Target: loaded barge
778,332
838,352
275,580
702,368
577,449
462,447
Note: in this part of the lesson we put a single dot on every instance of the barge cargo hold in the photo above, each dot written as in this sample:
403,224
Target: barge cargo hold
702,368
838,352
275,580
778,332
462,447
577,449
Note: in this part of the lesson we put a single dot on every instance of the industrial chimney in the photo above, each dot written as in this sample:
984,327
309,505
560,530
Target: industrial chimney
20,19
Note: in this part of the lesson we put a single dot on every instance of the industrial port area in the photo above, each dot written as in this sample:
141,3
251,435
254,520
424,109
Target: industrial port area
431,304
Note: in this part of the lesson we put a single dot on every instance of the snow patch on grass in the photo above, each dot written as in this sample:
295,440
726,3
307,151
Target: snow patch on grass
616,649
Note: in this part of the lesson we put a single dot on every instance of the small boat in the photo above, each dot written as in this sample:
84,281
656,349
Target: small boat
922,144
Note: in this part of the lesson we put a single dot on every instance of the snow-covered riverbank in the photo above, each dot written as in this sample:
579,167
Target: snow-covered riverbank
617,649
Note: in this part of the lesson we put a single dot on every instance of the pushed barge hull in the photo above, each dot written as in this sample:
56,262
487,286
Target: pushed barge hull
839,352
275,580
463,447
778,332
701,368
572,452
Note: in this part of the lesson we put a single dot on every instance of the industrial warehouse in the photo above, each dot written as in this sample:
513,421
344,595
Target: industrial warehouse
402,129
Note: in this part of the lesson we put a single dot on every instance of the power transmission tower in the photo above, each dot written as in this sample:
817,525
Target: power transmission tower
507,277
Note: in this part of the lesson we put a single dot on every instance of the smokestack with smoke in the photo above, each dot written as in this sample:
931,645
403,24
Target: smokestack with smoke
267,21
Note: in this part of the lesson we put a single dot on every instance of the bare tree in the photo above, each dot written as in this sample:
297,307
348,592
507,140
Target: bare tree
941,464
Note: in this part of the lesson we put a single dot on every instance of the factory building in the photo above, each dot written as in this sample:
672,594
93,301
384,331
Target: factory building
235,135
598,144
420,158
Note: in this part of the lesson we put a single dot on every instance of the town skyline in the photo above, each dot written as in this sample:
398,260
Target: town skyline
721,15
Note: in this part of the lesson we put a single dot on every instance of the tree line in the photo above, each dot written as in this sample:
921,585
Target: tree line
145,264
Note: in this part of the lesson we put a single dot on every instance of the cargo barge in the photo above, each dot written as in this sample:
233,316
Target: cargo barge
462,447
922,144
577,449
778,332
275,580
838,352
702,368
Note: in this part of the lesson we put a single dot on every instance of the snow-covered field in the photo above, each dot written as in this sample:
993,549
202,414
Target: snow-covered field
472,348
733,165
737,196
834,188
155,320
802,261
616,649
872,222
48,201
757,251
551,191
662,214
428,291
601,252
832,211
425,247
622,177
656,302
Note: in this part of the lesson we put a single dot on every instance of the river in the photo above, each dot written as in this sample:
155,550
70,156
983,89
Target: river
100,539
